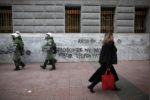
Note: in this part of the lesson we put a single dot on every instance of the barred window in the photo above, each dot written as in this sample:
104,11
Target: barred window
5,19
72,20
140,20
107,19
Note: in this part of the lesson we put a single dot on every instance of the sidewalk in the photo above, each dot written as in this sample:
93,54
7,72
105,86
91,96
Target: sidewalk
70,80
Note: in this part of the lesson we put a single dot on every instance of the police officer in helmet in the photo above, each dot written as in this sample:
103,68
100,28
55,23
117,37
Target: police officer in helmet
51,50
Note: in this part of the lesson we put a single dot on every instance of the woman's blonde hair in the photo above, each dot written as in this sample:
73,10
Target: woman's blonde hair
107,38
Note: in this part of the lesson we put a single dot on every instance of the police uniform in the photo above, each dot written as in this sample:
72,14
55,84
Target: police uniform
21,43
50,59
17,54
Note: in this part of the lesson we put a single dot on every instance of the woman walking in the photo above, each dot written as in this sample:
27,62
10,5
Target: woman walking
108,56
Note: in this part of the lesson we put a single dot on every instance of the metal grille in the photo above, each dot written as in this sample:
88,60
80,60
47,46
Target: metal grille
5,19
140,20
107,16
72,20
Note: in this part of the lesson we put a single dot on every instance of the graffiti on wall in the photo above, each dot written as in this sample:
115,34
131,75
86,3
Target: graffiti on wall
79,53
89,41
82,52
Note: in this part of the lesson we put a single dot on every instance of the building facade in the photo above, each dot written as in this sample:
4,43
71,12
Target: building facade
78,27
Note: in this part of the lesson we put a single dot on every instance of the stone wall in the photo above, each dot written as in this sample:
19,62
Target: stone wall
31,16
35,17
79,47
42,16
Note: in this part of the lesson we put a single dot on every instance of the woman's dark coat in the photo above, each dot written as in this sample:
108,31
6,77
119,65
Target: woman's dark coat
108,56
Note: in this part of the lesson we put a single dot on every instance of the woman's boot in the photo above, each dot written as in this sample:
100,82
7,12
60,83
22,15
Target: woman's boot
90,87
116,88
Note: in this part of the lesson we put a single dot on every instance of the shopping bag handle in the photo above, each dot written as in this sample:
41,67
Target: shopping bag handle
106,73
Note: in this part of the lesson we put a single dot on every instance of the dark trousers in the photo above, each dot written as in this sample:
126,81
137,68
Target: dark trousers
96,77
18,63
48,61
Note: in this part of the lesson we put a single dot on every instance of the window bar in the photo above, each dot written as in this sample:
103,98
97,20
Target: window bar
109,20
104,21
65,21
5,13
69,19
76,20
10,21
105,16
137,19
143,22
140,22
138,26
7,21
75,23
77,13
6,27
0,21
6,18
143,15
135,25
3,20
112,20
79,19
70,26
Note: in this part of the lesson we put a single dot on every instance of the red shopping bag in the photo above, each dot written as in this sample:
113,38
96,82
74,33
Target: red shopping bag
108,81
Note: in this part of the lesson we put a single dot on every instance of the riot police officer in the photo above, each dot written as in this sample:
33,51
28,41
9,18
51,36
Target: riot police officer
50,47
21,43
17,54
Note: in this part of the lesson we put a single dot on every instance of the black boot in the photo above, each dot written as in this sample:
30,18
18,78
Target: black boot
44,66
91,88
17,68
53,67
22,64
116,88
